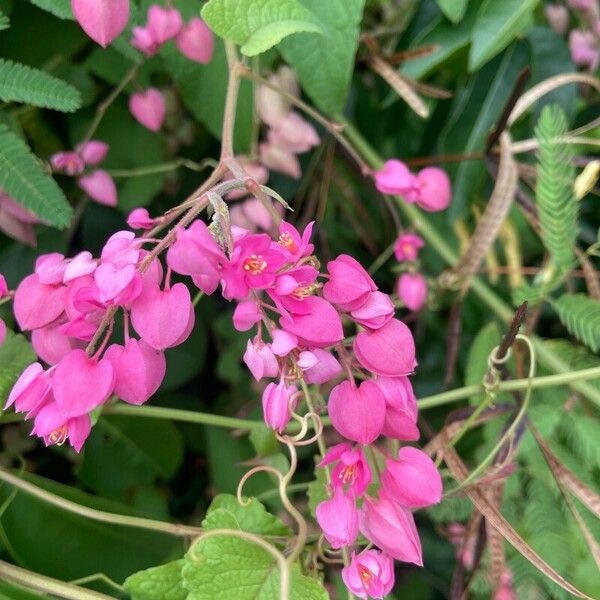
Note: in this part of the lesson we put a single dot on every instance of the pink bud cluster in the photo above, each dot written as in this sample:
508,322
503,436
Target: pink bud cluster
63,303
97,184
411,286
430,188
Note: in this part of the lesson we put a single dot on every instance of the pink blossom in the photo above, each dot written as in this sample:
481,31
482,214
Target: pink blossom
3,287
412,480
294,245
584,49
121,249
163,23
407,246
505,590
370,574
163,318
69,163
280,160
283,342
392,528
102,20
148,108
144,41
338,518
319,327
259,358
99,186
139,370
196,41
307,360
401,408
50,268
81,383
56,427
349,285
246,315
80,265
326,369
395,178
294,134
139,218
357,413
293,287
558,17
412,290
51,344
120,285
435,189
271,106
388,351
92,152
375,312
196,253
276,405
351,469
30,391
36,304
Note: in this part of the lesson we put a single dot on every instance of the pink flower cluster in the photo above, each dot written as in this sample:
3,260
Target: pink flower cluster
411,286
97,184
288,133
430,188
63,304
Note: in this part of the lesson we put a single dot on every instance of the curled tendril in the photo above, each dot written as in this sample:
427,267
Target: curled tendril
321,553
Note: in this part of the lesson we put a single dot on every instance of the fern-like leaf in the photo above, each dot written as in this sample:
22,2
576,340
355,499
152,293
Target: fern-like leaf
4,22
22,177
581,316
557,207
19,83
59,8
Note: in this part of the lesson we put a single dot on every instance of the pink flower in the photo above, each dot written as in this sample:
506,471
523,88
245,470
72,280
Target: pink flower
584,49
319,327
558,17
254,263
102,20
271,106
276,405
56,427
395,178
99,186
139,218
37,304
148,108
349,285
388,351
139,370
401,408
357,413
81,383
338,518
283,342
375,312
163,23
412,480
351,469
92,152
412,290
505,590
3,287
280,160
293,244
51,344
326,369
392,528
294,134
259,358
69,163
370,574
80,265
144,41
246,315
30,391
163,318
407,246
196,41
293,287
50,268
119,285
435,189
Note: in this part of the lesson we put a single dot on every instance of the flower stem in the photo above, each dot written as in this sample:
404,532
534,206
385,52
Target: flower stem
164,167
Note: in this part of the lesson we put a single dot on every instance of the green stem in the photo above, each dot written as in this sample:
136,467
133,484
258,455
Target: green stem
163,168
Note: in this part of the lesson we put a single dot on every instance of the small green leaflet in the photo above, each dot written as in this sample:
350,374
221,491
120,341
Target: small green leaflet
4,22
581,316
59,8
158,583
23,178
257,25
15,354
453,9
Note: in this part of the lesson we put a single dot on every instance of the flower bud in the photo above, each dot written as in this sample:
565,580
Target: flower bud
148,108
276,405
349,285
196,41
412,290
435,190
102,20
338,518
99,186
395,178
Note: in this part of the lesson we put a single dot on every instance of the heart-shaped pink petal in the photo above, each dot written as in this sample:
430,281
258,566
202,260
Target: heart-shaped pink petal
148,108
102,20
99,186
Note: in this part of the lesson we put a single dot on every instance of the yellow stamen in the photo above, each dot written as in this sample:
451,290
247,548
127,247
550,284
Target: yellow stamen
255,264
59,436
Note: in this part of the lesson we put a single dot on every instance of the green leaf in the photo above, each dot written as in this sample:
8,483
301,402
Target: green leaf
581,316
257,25
122,453
158,583
4,22
59,8
324,64
23,179
317,490
16,353
475,109
557,207
225,512
13,592
497,25
225,567
19,83
453,9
